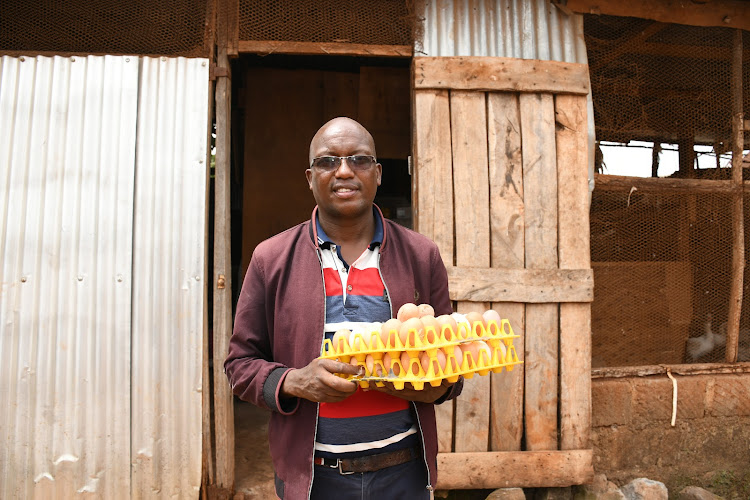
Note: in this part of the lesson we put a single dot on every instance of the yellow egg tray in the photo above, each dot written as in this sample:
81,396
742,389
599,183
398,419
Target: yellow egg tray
370,343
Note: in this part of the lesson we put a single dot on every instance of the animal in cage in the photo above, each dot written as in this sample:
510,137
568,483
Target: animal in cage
698,347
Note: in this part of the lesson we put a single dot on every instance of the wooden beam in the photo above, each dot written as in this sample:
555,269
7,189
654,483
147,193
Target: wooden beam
535,286
724,13
518,469
625,42
267,47
648,370
222,282
500,74
666,185
738,218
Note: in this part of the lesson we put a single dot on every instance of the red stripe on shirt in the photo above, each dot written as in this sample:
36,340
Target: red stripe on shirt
333,282
363,404
365,282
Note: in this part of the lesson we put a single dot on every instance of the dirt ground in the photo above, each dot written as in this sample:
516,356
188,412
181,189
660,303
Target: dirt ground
253,470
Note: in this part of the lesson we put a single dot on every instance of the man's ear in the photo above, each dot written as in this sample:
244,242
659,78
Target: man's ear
308,174
380,172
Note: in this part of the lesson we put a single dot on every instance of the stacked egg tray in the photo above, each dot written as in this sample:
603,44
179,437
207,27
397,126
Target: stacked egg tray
499,338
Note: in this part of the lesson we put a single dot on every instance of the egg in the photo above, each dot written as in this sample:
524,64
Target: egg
475,348
491,315
447,319
473,318
407,311
357,341
406,363
386,363
341,339
425,310
501,352
458,357
389,330
370,364
425,360
408,329
431,328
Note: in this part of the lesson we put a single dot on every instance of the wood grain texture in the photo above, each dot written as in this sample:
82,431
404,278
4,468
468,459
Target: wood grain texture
471,195
509,469
540,200
433,206
574,253
500,73
266,47
664,185
222,317
523,285
507,252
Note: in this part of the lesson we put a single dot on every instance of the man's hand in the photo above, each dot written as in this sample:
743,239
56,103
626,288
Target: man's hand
428,394
317,382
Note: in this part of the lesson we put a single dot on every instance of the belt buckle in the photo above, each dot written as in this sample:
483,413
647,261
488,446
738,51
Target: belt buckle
341,471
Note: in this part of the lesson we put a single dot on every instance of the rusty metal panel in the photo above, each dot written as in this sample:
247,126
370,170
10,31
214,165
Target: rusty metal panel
67,156
169,277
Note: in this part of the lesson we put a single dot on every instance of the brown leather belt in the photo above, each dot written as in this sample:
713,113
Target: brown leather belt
369,463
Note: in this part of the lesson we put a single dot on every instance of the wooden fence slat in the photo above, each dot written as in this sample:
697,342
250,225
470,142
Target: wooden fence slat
471,195
266,47
507,252
575,319
481,73
433,217
524,469
540,202
523,285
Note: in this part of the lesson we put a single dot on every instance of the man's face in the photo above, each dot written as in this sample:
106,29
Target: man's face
344,193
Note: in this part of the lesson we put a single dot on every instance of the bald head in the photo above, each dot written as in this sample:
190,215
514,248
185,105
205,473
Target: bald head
336,132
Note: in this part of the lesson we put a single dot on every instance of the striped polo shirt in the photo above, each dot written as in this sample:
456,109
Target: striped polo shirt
366,422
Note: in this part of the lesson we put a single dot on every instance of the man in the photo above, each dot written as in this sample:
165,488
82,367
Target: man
346,266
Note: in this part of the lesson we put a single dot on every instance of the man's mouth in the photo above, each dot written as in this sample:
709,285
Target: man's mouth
343,190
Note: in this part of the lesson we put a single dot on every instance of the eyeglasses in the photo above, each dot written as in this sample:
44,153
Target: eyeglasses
332,163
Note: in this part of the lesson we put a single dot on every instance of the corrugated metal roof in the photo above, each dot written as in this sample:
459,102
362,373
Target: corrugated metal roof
99,232
522,29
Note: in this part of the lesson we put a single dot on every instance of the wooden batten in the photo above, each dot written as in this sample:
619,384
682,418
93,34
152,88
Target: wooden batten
472,226
665,185
537,286
500,74
724,13
267,47
526,469
574,242
433,215
507,252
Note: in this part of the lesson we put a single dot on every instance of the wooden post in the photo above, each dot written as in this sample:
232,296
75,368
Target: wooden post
574,233
507,244
222,282
738,230
472,216
655,159
540,205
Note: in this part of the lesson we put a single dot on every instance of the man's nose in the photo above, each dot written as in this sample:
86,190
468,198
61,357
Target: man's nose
344,169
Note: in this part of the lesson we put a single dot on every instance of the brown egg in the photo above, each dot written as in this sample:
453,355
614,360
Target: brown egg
407,330
424,358
386,363
458,355
475,348
340,338
474,317
431,328
389,330
491,315
369,364
358,341
425,310
447,319
407,311
406,363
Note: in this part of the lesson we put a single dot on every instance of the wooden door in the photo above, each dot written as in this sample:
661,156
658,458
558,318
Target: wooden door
501,185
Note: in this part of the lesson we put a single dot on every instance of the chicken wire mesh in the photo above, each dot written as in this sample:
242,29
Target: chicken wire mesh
662,258
376,22
138,27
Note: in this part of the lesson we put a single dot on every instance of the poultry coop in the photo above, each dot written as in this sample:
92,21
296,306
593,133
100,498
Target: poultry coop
662,249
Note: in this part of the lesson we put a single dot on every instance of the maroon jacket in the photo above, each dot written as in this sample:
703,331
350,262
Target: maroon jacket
279,325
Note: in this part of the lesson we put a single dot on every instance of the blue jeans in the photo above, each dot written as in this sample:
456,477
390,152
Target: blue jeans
406,481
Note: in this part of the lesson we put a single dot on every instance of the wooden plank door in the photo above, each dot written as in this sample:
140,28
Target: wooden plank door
501,184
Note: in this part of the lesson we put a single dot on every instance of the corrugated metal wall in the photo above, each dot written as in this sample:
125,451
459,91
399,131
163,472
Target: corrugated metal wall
83,311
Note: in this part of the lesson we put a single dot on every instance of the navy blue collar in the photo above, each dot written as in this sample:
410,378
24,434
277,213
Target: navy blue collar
325,242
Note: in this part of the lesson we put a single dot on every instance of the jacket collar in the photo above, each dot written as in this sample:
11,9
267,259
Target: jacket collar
318,237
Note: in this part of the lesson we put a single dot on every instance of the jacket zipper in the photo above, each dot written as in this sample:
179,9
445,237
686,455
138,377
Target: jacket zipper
317,405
